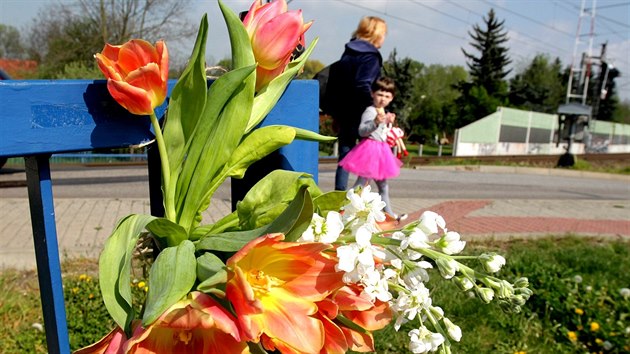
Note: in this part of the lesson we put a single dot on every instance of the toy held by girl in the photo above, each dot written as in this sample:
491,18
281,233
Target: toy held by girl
395,140
372,158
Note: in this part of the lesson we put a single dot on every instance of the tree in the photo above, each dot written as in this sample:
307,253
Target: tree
488,70
10,43
435,111
487,89
64,33
404,72
540,87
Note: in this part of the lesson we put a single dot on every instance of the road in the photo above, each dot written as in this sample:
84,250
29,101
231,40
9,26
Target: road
425,182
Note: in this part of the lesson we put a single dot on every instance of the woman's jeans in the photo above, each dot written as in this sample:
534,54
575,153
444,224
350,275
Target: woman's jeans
341,176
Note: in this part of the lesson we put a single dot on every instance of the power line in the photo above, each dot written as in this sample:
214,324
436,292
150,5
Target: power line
613,5
537,41
440,12
528,18
404,20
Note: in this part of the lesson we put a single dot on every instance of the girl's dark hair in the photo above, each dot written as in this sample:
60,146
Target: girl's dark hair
384,84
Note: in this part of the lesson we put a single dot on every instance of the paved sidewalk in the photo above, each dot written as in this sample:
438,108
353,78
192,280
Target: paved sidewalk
83,224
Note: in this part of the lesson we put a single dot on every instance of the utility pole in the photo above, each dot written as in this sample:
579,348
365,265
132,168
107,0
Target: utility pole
575,114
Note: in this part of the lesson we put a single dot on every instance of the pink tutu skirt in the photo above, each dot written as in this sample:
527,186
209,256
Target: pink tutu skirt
372,159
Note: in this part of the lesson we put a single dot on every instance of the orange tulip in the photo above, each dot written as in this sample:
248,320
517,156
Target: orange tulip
196,324
369,315
112,343
274,32
137,74
273,287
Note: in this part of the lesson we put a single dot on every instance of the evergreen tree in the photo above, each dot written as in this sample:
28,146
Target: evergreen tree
487,89
489,68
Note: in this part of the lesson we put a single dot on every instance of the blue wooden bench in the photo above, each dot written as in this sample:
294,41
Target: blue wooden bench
40,118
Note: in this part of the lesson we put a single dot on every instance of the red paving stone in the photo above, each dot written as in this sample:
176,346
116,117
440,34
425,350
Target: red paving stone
456,215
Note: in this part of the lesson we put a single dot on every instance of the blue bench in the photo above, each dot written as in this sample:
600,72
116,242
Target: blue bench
41,118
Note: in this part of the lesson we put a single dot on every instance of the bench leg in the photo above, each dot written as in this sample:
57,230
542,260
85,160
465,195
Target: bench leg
47,252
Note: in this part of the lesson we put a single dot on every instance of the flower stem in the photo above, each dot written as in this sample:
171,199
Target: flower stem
166,170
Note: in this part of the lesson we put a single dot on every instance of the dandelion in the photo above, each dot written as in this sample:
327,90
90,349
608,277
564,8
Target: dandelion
594,326
146,289
579,311
625,293
83,277
572,336
141,284
75,290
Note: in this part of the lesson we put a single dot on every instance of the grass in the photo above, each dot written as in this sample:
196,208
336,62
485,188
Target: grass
569,276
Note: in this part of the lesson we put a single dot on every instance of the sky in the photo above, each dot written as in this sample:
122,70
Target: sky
433,31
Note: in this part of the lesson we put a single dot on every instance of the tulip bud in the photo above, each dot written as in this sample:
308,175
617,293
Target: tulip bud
275,33
137,74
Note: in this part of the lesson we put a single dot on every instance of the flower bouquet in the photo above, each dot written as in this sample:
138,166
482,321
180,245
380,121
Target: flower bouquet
293,269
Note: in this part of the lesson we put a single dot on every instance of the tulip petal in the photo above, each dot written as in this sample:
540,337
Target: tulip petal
284,314
149,79
276,39
197,324
112,343
136,53
134,99
259,13
108,67
162,52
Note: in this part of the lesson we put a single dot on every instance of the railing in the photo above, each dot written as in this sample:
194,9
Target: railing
42,118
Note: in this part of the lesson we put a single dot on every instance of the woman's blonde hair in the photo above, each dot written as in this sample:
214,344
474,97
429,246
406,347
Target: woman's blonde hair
371,29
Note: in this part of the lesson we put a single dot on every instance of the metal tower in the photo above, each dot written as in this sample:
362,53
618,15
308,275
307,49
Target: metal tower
575,114
581,65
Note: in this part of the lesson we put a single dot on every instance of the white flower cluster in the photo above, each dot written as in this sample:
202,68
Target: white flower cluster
393,266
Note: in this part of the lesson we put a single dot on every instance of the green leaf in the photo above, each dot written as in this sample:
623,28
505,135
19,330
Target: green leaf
330,201
187,101
229,241
269,95
292,222
171,277
167,232
219,132
302,205
258,144
211,272
227,222
242,53
269,196
115,266
308,135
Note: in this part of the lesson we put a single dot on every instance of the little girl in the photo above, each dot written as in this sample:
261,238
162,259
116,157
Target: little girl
372,158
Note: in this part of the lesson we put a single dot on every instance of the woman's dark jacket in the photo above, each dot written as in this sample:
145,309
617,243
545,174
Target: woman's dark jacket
348,91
